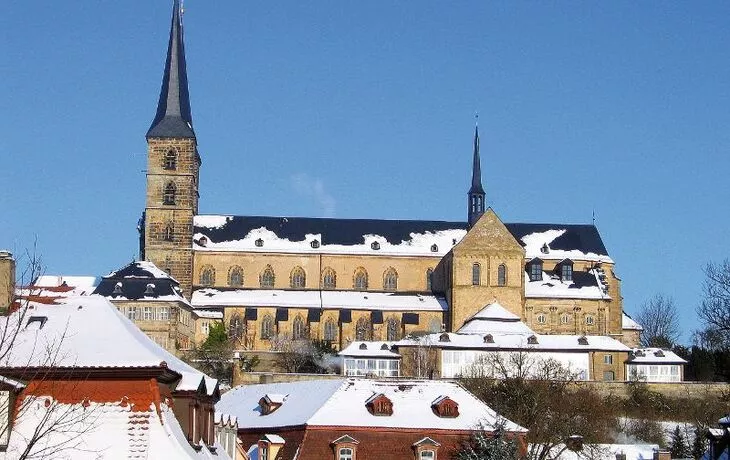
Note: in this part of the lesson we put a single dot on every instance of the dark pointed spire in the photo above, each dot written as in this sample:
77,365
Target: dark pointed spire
173,118
476,192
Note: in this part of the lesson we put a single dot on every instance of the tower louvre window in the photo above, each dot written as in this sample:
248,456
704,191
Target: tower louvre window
476,274
168,197
170,162
169,232
502,275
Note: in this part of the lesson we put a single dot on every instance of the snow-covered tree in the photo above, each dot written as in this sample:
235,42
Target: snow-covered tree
679,448
485,445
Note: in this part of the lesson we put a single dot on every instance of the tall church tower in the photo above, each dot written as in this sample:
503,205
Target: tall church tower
173,166
476,192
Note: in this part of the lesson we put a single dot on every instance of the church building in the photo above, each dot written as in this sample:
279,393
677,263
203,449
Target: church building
341,280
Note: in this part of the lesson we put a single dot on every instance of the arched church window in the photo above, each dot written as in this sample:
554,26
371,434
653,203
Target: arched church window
168,197
267,327
329,278
390,280
476,274
429,279
299,329
235,276
236,328
330,331
207,276
170,159
502,275
297,279
363,329
267,277
393,330
361,279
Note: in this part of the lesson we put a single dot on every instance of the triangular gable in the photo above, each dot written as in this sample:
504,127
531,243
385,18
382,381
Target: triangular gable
426,442
346,439
496,312
488,234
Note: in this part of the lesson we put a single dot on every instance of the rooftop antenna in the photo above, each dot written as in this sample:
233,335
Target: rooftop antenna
182,7
594,217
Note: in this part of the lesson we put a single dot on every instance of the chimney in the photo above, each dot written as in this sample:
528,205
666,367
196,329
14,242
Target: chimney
7,279
662,455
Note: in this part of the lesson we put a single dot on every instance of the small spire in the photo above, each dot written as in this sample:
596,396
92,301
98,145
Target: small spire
173,118
476,192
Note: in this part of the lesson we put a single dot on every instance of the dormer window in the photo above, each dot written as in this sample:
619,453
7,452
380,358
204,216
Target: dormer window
345,448
444,337
39,320
380,405
270,402
582,340
149,289
363,346
203,241
314,244
566,270
489,338
375,246
545,249
434,248
259,243
426,449
535,270
532,340
117,288
445,407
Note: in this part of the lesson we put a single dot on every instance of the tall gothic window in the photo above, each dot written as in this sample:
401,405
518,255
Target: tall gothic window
502,275
329,278
299,329
330,331
235,276
393,330
170,159
476,275
390,280
429,279
363,329
207,276
297,279
168,196
267,327
267,277
361,279
236,328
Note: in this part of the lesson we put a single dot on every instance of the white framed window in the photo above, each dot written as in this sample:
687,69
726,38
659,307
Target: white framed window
564,318
589,320
607,359
205,327
541,318
132,313
149,314
345,453
427,455
163,313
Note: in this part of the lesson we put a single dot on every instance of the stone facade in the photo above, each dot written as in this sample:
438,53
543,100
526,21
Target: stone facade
173,167
7,279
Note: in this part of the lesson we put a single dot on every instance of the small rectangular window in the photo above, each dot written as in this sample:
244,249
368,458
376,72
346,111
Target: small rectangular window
608,376
607,359
132,313
148,314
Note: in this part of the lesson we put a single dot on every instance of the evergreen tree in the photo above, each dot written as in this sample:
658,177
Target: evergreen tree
488,446
698,445
679,445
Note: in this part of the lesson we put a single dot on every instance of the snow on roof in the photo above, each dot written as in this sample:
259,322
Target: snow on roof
369,349
341,402
65,280
353,300
495,311
536,244
274,438
584,285
89,332
654,356
494,318
12,383
208,314
628,322
140,269
517,341
608,451
262,239
107,430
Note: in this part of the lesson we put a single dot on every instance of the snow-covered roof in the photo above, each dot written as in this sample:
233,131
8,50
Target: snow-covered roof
89,332
140,269
140,281
516,341
341,402
628,322
608,451
349,300
584,285
104,430
565,242
66,280
208,314
494,318
654,356
369,350
328,236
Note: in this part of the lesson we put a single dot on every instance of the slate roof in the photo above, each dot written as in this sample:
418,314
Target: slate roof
334,231
173,118
133,280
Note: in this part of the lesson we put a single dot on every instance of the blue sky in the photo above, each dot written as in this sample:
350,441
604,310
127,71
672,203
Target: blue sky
366,109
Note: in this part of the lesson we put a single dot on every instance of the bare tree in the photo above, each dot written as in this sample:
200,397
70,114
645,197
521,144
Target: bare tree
660,320
714,311
48,426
